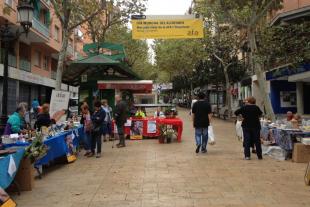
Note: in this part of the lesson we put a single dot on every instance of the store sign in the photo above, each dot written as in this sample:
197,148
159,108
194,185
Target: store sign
162,86
181,27
134,87
59,105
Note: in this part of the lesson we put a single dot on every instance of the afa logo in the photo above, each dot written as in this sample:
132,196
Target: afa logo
193,33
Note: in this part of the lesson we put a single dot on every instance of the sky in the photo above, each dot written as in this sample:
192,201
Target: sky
165,7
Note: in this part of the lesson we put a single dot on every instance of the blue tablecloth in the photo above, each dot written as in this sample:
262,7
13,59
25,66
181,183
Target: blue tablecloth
5,178
57,146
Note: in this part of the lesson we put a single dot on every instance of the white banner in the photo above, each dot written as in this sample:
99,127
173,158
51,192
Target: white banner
59,105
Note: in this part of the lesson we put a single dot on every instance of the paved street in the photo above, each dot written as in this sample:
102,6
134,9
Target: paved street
150,174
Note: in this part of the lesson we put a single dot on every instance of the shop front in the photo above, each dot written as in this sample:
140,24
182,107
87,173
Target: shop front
289,89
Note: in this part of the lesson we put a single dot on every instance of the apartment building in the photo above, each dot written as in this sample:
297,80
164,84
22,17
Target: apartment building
33,59
289,84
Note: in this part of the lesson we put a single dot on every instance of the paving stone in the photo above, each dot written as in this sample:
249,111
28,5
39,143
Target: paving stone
149,174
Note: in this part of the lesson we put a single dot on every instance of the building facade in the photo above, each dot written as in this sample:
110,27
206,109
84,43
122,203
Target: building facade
33,59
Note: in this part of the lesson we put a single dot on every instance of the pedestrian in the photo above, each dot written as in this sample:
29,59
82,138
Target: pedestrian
35,106
44,118
97,120
251,127
15,122
26,119
107,121
88,126
120,116
201,115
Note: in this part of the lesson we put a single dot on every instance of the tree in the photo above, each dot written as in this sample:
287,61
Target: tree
69,15
117,12
248,14
176,57
137,51
284,44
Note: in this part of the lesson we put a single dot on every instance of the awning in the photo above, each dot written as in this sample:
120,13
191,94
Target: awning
286,70
94,64
136,86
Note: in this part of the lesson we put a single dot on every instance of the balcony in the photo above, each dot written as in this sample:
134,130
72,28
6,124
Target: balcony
53,74
24,65
40,27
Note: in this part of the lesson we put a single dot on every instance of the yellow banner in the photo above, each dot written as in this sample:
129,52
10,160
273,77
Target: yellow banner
167,29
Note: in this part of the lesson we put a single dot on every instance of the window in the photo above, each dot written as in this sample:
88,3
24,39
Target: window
56,33
45,63
9,3
37,58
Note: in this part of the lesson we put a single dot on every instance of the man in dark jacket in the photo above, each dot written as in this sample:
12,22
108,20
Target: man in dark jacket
201,113
120,116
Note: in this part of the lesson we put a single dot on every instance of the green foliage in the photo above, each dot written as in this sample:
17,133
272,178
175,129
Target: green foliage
117,12
136,51
284,44
176,57
37,149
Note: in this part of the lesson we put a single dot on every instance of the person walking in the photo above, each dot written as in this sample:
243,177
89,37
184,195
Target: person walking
107,121
97,120
251,127
201,115
88,126
120,116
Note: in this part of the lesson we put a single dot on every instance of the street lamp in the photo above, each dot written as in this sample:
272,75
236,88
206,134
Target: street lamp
24,16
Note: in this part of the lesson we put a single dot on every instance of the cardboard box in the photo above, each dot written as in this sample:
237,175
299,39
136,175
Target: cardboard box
25,175
301,153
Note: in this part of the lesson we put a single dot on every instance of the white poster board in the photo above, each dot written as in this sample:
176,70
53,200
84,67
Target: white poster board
288,99
151,127
59,105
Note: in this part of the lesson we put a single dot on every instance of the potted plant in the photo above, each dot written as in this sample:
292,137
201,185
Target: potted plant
171,113
166,133
37,149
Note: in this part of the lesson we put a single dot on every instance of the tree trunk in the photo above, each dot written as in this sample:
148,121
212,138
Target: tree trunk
61,59
258,69
228,94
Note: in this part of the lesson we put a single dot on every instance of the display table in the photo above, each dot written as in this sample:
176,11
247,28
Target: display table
175,122
282,137
5,178
57,146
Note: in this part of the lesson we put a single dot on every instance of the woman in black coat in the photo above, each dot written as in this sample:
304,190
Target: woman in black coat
251,127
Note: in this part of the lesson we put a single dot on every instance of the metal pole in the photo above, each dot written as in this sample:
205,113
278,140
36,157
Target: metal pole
6,37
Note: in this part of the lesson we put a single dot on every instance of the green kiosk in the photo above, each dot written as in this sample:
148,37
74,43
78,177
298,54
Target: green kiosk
103,74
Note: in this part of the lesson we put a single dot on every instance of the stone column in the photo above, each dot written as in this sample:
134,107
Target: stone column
300,97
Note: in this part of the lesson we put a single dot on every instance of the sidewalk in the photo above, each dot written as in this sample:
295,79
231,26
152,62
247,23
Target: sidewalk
149,174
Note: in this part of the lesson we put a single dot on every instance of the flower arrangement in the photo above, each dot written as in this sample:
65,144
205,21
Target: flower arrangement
166,133
37,149
171,112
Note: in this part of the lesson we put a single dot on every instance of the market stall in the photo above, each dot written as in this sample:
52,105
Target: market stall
138,127
284,135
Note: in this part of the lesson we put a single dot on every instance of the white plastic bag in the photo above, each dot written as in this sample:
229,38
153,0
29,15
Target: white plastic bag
211,137
239,130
